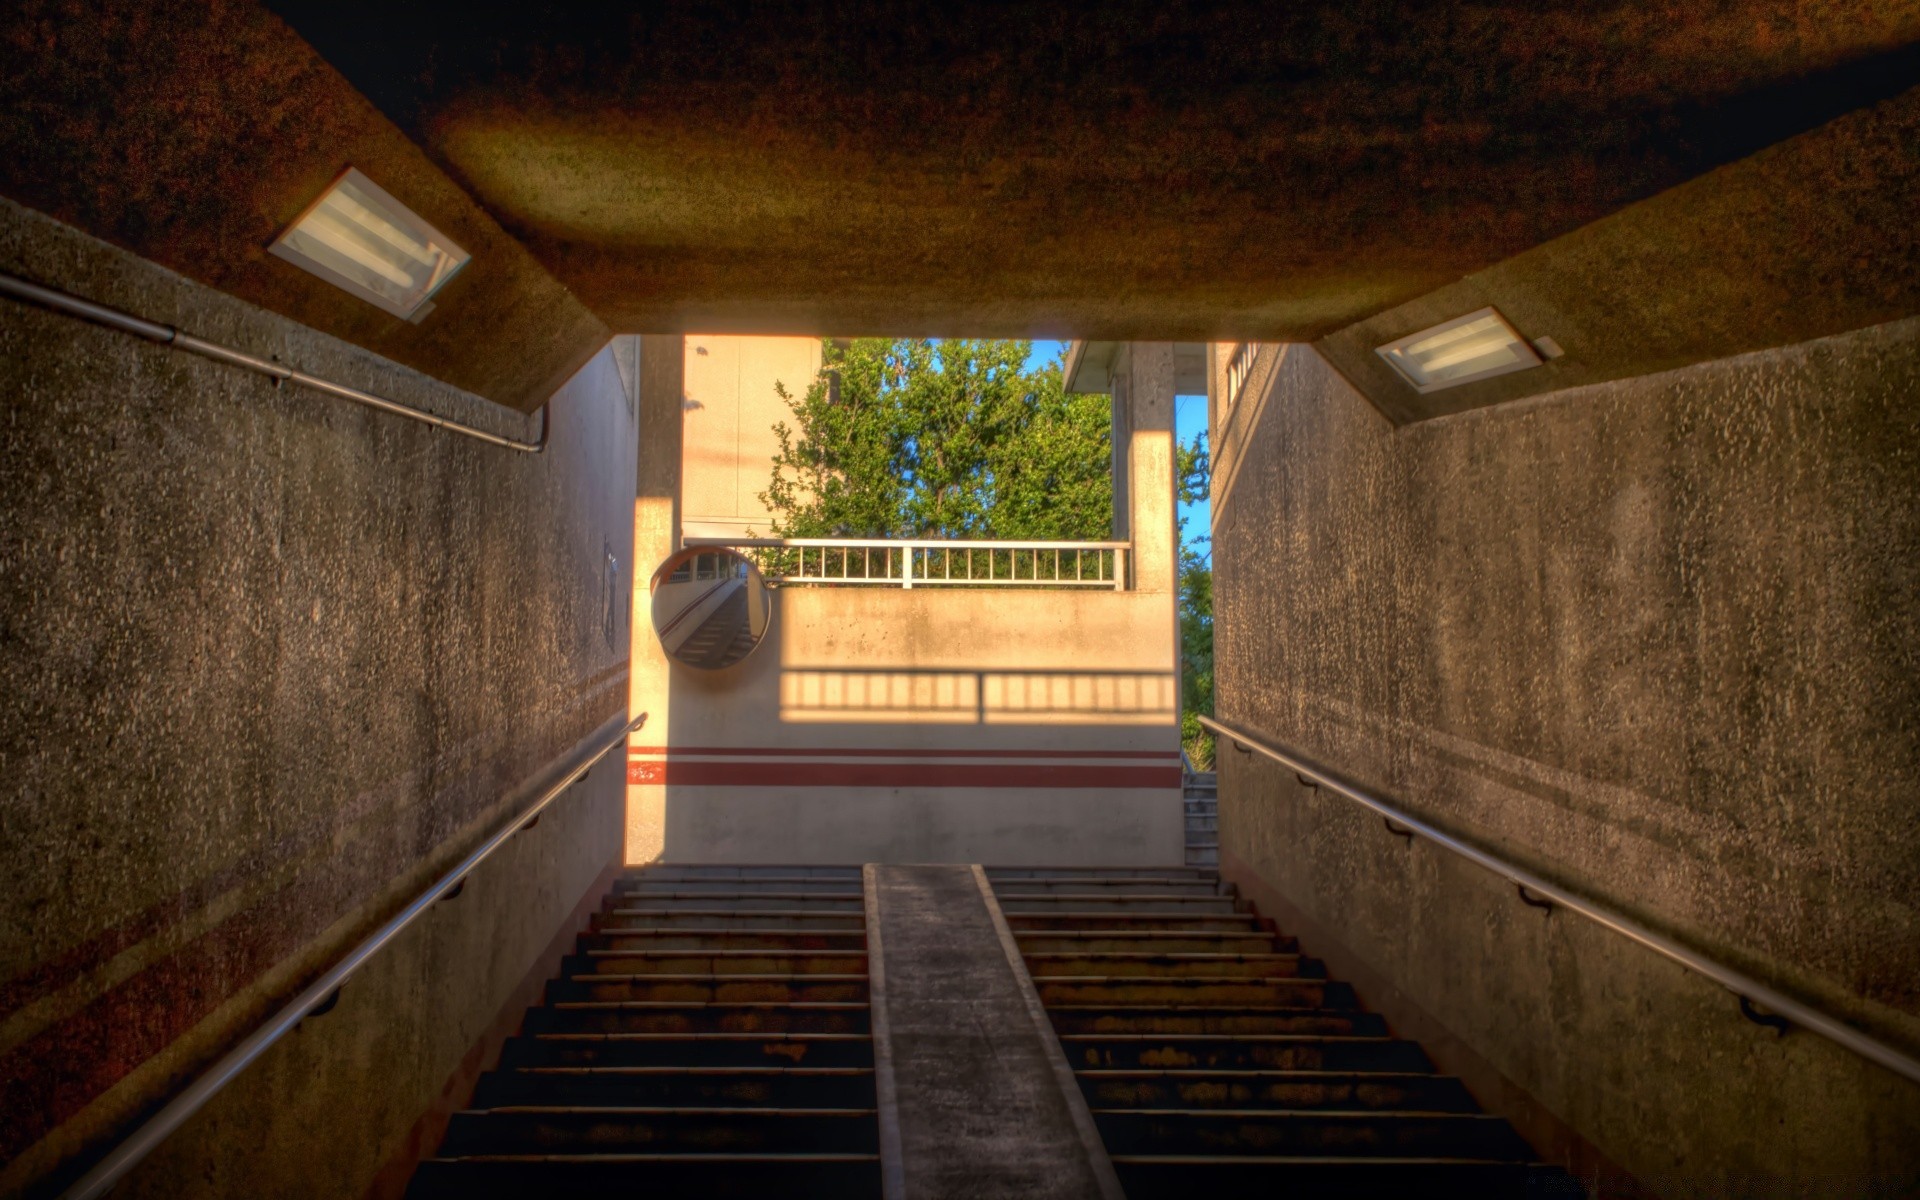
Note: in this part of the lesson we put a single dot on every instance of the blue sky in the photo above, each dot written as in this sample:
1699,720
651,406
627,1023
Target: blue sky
1189,418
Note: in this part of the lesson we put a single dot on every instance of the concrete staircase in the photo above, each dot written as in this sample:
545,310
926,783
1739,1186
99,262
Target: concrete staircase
712,1036
1203,819
709,1036
1218,1060
724,638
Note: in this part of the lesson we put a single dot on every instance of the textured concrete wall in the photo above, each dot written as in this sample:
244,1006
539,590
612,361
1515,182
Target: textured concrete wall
270,662
1658,639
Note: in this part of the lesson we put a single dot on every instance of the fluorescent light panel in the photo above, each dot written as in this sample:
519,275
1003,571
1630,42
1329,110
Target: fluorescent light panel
1479,345
360,239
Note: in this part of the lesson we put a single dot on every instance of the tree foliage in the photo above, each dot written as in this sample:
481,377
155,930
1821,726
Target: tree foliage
1194,470
916,438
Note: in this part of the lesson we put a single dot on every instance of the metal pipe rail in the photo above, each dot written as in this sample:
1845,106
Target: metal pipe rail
320,995
71,305
1538,892
1048,563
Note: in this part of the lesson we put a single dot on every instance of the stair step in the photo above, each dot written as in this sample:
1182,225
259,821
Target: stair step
1147,920
756,902
715,962
722,1177
679,1087
1279,1052
576,1130
618,1016
1127,888
1292,993
711,989
1172,964
1180,1177
718,1049
1283,1132
1359,1090
794,941
1153,941
851,874
771,886
1024,902
644,919
1179,1020
1009,874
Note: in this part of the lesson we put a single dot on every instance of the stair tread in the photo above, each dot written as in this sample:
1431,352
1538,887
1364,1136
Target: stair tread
1162,956
702,952
748,895
1302,1038
650,1072
654,1005
742,1156
1327,1160
712,976
643,1110
1314,1114
1305,1010
1252,1073
644,911
705,1037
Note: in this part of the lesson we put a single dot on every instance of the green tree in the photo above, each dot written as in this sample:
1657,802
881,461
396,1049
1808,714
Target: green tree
1194,470
915,438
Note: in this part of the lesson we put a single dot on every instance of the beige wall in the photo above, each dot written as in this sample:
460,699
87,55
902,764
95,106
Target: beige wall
881,724
731,409
885,725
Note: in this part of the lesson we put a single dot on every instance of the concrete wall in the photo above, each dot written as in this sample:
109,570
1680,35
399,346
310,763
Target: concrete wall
886,725
1657,638
271,662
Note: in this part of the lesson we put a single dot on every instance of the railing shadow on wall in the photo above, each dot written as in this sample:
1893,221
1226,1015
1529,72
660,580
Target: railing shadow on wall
980,696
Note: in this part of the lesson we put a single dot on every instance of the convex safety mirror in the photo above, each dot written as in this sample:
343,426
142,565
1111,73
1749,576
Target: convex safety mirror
711,607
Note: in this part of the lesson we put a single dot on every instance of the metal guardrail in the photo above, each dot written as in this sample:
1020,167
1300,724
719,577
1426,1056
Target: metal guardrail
319,996
71,305
1540,893
934,562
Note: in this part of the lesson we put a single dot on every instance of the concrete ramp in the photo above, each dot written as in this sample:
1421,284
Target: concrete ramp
976,1098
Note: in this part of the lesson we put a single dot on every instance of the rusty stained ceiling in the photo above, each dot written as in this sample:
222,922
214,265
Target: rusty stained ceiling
1120,169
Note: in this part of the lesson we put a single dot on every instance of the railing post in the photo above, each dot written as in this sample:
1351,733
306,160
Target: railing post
1119,569
906,566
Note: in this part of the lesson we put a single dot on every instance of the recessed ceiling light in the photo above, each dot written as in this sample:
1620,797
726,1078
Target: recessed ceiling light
1479,345
357,237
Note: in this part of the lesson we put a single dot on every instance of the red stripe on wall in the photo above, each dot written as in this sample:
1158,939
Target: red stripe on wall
900,775
830,752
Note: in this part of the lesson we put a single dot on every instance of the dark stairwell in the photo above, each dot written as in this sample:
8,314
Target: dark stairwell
710,1036
1215,1055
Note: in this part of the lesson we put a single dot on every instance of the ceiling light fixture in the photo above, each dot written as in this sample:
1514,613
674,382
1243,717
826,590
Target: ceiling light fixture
359,238
1479,345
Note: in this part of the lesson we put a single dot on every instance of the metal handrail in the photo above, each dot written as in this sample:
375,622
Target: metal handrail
319,996
86,310
935,558
1538,892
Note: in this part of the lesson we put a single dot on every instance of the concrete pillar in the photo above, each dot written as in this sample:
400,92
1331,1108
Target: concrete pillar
656,534
1143,480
